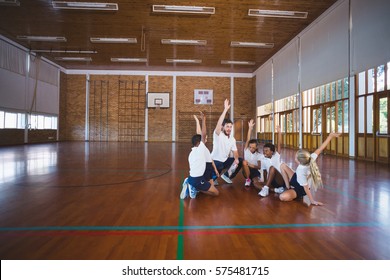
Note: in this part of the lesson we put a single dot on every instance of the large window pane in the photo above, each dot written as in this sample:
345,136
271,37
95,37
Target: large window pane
388,75
322,88
380,78
34,122
10,120
370,80
21,121
327,92
317,121
346,116
339,116
361,115
2,114
346,88
41,122
362,83
383,115
370,114
333,91
339,89
54,122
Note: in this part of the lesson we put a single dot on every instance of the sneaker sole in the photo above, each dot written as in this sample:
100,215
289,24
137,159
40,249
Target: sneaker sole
183,193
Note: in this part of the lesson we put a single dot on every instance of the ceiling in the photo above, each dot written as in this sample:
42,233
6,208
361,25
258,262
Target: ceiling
135,19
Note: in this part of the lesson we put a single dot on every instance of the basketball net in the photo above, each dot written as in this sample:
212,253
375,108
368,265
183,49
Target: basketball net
157,107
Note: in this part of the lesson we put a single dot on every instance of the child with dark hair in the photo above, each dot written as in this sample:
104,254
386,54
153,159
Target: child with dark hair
252,160
201,166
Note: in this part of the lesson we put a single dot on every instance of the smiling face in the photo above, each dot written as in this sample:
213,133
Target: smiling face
227,128
267,152
252,147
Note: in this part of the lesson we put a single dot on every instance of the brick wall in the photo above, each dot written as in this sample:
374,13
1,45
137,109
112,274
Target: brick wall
110,120
72,108
160,120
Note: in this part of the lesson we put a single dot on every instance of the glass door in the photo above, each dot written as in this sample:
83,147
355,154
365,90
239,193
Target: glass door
382,128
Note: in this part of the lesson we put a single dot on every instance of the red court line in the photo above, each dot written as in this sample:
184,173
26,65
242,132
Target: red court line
174,232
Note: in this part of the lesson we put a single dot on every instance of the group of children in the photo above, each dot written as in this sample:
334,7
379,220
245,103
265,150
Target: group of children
265,171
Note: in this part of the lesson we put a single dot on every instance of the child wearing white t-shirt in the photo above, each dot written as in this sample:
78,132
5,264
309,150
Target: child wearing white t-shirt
252,160
306,176
201,165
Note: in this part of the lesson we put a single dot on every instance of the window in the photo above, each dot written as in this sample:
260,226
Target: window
362,83
370,80
383,114
380,78
388,75
2,116
15,120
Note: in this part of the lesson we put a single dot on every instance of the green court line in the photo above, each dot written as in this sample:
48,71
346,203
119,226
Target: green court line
180,237
182,228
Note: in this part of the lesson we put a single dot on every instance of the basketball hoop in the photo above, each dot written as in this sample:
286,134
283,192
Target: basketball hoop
158,107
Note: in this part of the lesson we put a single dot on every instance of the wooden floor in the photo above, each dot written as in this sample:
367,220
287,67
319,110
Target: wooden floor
121,201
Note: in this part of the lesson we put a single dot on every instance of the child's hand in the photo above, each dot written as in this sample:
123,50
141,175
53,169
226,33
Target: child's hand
226,104
317,203
251,123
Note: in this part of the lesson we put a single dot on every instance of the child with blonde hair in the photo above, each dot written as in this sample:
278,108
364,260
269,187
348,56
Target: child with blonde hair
306,177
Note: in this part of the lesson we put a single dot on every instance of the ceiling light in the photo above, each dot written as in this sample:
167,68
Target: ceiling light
42,38
183,42
85,5
251,44
9,3
183,9
68,58
237,62
276,13
177,60
63,51
128,59
114,40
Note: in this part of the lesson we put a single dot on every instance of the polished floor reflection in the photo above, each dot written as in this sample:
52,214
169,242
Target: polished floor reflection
96,200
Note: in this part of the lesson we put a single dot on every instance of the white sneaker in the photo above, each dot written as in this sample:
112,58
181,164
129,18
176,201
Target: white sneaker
184,191
248,182
264,191
216,182
193,191
279,190
306,200
226,179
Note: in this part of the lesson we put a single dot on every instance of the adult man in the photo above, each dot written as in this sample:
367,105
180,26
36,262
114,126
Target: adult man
223,144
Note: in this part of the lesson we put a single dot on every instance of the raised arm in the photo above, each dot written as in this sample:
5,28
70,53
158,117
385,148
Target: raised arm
251,123
198,129
222,117
279,131
326,142
204,130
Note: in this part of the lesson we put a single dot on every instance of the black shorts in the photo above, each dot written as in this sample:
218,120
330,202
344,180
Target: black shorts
253,173
208,173
300,190
200,183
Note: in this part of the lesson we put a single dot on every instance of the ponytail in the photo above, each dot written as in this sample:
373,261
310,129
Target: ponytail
315,175
315,179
